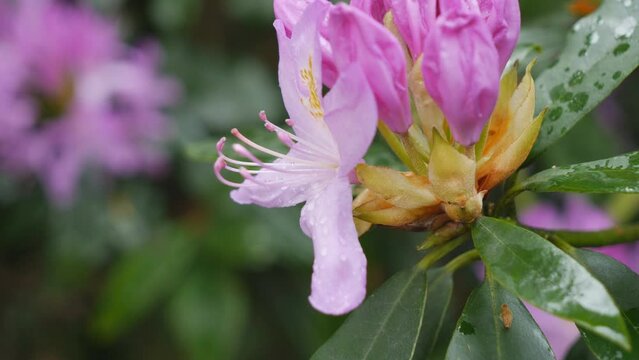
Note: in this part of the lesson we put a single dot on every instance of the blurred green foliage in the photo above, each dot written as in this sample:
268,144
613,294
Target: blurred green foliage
171,268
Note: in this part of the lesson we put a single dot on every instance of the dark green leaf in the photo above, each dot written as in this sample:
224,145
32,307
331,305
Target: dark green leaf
482,334
580,351
440,290
601,50
208,315
623,285
619,174
388,325
139,281
538,272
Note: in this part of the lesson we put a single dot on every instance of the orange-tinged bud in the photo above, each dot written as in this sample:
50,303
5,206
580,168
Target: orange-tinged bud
504,164
451,173
512,133
404,190
467,211
371,207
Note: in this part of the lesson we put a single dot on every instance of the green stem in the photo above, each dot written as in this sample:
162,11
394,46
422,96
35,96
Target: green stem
462,260
439,252
442,235
616,235
418,164
395,144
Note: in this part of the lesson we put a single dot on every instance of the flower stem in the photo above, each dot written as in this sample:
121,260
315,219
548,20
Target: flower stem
395,144
613,236
439,252
449,231
462,260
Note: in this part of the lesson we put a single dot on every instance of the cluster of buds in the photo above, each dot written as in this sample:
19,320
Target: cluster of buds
448,180
428,75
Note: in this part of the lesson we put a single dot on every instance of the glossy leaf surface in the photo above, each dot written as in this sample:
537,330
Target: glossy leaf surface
482,333
601,50
388,325
619,174
538,272
623,285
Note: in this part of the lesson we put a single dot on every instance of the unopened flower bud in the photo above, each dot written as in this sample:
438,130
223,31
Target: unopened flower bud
461,72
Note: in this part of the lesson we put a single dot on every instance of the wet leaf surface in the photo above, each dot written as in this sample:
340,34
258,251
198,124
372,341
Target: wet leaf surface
538,272
403,317
623,285
482,334
619,174
601,50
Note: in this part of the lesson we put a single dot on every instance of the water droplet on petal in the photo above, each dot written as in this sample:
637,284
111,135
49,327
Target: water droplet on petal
626,28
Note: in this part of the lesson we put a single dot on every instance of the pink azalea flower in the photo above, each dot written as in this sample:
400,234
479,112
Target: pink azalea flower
74,96
461,72
290,12
414,19
330,136
375,8
578,215
469,43
357,38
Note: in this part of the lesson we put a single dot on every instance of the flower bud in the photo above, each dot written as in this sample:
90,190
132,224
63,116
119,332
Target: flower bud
461,72
356,37
375,8
413,19
504,21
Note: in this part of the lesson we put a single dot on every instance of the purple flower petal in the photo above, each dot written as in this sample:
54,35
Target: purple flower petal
351,116
357,38
339,271
413,19
461,72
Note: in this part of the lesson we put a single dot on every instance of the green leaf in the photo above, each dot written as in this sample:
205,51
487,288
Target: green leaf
440,290
623,285
616,235
208,315
481,333
388,325
619,174
600,51
139,281
580,351
541,274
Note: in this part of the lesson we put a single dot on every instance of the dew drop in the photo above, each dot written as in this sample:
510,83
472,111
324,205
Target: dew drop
616,75
599,85
626,28
578,102
555,113
591,38
577,78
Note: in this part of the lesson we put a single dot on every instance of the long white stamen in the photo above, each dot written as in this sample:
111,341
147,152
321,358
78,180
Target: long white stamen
276,154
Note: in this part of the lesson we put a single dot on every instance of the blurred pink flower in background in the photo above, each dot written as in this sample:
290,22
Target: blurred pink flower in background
578,214
74,96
